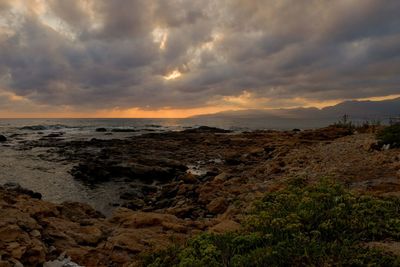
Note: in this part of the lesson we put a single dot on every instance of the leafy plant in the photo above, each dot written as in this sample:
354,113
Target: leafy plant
390,136
302,225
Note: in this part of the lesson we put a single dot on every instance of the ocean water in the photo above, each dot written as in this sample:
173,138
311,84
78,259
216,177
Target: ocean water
86,126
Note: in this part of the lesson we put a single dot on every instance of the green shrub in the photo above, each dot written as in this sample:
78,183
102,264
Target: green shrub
301,225
390,136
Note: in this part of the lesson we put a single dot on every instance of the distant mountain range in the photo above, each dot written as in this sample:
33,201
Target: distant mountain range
313,117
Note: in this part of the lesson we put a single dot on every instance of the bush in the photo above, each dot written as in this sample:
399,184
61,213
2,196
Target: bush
344,122
301,225
390,136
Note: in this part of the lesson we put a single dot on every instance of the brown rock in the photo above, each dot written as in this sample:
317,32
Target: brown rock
5,264
35,255
137,219
35,233
220,177
90,235
218,205
11,233
79,212
207,192
225,226
16,249
179,228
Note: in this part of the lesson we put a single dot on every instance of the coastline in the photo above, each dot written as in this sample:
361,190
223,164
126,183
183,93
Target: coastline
177,184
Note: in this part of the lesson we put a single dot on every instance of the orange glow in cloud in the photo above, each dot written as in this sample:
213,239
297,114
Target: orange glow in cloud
160,113
243,101
118,113
173,75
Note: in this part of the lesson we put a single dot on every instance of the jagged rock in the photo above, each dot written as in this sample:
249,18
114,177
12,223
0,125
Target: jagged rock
98,171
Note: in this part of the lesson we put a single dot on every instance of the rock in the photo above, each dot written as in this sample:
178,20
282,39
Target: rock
119,130
19,189
206,193
132,194
58,263
17,263
185,211
386,147
233,158
101,130
189,178
16,249
206,129
12,186
33,231
168,191
225,226
221,177
5,264
79,212
275,168
218,205
100,171
372,146
163,203
136,204
136,219
11,233
35,255
54,135
3,138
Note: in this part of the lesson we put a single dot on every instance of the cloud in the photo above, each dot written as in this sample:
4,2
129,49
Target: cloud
99,54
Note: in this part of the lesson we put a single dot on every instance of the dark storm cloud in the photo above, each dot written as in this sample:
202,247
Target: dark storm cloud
105,54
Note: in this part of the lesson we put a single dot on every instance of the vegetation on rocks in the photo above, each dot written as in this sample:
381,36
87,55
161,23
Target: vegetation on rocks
390,136
300,225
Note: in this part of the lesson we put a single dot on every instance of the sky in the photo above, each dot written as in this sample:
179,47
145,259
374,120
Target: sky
178,58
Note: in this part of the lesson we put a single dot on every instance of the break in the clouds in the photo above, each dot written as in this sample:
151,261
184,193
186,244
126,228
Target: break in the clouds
99,54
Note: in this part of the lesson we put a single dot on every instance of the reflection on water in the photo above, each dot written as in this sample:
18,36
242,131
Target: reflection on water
52,179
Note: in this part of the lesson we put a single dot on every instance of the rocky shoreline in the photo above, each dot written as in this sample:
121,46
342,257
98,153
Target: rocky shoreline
177,184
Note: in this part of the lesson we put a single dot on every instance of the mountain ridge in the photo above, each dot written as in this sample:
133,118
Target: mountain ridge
365,109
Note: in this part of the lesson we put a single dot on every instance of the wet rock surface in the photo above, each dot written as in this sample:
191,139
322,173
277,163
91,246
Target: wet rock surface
192,174
176,184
